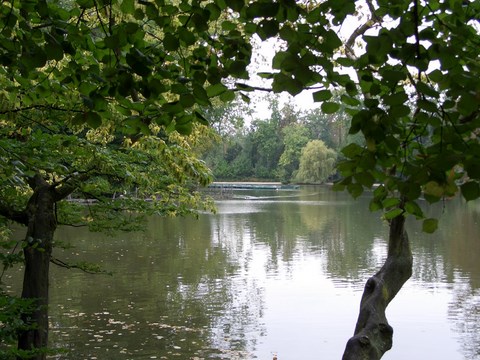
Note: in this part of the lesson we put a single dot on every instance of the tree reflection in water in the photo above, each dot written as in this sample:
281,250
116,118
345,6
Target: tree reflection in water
264,276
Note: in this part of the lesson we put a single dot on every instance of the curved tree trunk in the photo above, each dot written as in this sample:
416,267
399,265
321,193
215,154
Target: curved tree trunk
37,252
373,335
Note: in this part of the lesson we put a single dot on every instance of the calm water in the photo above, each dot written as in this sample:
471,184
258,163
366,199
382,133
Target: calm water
279,274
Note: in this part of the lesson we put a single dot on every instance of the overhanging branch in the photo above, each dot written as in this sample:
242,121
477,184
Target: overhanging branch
38,107
20,217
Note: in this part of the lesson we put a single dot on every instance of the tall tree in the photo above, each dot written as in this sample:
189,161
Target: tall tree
295,137
317,162
266,143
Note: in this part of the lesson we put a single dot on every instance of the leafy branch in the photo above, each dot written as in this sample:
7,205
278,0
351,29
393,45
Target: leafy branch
38,106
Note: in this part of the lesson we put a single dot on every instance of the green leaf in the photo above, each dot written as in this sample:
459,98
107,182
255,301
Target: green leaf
214,11
282,82
470,190
265,75
200,118
185,128
348,100
412,208
427,106
399,111
35,58
186,36
237,68
365,178
216,89
331,40
94,120
472,166
267,29
398,98
227,96
245,98
138,63
390,202
236,5
86,4
389,215
374,205
330,107
187,100
355,190
53,48
79,119
128,6
434,189
262,9
228,25
429,225
436,76
467,104
380,192
427,90
352,150
393,76
171,42
322,95
201,95
278,60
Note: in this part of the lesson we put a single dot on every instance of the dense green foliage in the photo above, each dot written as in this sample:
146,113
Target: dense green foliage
93,93
408,75
271,148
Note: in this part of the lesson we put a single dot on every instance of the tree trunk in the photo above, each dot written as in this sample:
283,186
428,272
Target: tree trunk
37,251
373,335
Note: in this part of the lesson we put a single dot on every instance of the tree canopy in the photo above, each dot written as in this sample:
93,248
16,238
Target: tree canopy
93,93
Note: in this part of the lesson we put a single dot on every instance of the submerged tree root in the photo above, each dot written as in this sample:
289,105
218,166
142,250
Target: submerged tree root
373,335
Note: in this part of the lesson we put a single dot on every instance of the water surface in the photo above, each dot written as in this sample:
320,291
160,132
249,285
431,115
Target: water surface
271,273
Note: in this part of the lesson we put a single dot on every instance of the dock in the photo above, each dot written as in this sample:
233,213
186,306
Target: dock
236,185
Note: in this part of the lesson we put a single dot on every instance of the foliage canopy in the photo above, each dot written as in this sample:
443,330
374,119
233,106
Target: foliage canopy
92,92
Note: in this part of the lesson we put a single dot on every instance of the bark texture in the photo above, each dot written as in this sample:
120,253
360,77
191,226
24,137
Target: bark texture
37,251
373,335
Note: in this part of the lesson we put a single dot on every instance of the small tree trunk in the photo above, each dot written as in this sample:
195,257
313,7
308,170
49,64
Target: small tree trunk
373,335
37,251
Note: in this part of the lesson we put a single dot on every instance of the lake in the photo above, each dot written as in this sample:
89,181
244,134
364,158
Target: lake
271,273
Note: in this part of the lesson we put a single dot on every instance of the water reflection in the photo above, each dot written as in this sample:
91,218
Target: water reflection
270,273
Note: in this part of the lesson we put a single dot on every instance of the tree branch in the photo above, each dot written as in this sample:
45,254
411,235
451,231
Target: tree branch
69,184
360,30
87,268
32,107
19,217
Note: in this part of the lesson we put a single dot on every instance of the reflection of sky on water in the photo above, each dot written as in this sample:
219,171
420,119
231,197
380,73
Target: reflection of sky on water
309,312
264,277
